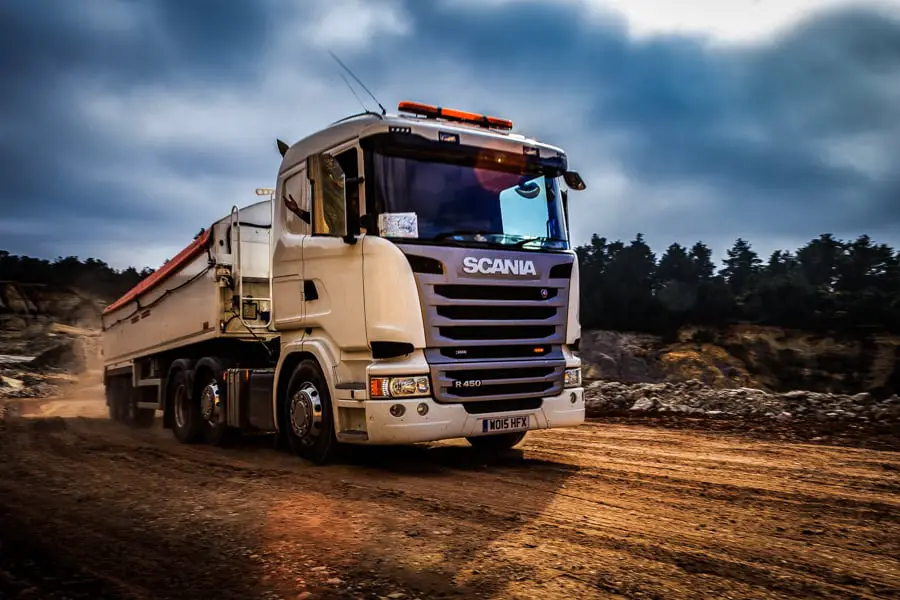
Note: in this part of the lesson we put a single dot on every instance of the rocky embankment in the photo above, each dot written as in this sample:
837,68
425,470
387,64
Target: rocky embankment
694,398
68,352
747,378
746,356
47,336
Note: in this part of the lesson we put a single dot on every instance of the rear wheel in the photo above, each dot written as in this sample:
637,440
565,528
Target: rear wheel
307,413
187,422
495,444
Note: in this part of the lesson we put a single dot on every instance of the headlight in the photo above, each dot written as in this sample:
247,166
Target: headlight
404,386
573,378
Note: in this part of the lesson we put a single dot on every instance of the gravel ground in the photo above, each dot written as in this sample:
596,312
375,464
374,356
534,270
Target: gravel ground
90,509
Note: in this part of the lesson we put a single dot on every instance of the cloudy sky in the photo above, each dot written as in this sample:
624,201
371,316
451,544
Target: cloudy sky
126,126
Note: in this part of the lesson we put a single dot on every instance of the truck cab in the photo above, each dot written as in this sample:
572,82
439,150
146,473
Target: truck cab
423,283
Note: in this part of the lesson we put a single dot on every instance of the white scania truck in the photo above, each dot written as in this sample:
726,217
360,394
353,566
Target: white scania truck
409,279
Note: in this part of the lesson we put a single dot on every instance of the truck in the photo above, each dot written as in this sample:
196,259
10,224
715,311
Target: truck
409,279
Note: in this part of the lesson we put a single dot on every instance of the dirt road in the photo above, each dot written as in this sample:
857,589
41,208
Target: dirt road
90,509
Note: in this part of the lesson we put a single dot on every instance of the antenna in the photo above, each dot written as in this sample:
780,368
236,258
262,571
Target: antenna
383,111
355,95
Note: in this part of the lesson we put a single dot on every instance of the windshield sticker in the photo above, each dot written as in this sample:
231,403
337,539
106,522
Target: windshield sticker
399,225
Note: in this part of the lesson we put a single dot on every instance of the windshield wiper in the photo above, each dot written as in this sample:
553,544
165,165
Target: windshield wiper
522,242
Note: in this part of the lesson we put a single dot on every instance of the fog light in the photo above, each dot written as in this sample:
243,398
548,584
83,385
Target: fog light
573,397
397,410
422,409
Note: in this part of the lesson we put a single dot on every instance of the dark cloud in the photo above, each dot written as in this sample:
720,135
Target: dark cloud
52,51
783,140
764,133
751,124
131,41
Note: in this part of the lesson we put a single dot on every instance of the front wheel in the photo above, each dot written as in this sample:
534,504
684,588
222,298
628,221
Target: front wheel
495,444
308,417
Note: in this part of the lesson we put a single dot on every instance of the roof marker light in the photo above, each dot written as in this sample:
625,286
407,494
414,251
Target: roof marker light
451,114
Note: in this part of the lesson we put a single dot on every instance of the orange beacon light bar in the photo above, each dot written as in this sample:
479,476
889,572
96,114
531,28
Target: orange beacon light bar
450,114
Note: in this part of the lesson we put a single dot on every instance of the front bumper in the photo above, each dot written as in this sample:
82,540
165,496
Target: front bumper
448,421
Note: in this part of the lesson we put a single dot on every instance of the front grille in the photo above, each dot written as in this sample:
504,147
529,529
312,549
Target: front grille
493,374
507,380
496,352
497,313
503,389
495,292
474,315
497,332
494,338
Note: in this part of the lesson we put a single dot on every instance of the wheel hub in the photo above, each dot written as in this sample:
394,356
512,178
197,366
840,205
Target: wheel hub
306,413
210,402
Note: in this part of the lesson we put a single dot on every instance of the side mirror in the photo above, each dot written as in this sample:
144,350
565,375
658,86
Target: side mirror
574,180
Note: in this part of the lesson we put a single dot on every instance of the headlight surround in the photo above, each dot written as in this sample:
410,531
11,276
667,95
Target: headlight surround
572,378
399,386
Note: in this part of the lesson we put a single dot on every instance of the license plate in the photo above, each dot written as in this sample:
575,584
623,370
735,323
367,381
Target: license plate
498,424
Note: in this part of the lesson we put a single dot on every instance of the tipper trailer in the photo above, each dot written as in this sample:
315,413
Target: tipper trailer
409,279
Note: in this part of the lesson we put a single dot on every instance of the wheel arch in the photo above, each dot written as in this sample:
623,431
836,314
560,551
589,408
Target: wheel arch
282,376
208,364
293,356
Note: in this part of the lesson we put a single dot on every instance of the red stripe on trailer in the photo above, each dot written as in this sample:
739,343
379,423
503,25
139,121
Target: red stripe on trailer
160,275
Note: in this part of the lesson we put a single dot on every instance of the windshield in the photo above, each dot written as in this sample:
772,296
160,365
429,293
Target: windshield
441,192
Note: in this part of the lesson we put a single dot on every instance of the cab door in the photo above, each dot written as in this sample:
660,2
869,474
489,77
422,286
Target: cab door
332,259
292,212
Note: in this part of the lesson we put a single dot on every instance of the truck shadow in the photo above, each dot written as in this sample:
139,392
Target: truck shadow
442,459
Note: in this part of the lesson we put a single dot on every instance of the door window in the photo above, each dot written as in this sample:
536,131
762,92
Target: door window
295,196
332,197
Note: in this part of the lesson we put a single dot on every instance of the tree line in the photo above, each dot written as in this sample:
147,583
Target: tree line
827,285
90,276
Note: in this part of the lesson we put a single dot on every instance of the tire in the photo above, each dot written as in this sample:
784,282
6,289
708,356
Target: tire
496,444
308,415
187,423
